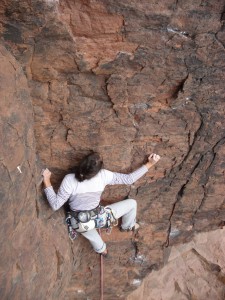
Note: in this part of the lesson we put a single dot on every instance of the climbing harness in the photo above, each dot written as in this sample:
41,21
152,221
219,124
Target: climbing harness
100,217
83,221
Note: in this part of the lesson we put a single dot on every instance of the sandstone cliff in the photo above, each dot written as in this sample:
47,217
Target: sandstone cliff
124,78
192,271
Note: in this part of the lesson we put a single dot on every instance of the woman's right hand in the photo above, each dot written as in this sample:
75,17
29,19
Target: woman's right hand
46,177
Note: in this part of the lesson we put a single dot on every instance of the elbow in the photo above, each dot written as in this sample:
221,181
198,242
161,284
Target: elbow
54,207
131,180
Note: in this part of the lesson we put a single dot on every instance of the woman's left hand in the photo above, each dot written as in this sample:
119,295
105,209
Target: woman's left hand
152,159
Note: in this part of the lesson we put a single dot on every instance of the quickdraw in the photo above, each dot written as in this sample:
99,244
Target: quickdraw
111,220
71,231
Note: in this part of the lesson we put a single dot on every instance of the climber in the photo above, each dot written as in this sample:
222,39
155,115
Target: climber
84,188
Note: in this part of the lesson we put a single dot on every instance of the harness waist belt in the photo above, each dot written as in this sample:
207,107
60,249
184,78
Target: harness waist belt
93,212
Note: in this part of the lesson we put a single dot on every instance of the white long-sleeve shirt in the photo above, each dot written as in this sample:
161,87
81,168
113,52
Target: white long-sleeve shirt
86,195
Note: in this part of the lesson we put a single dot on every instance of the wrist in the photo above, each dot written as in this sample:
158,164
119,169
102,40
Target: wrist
149,165
47,183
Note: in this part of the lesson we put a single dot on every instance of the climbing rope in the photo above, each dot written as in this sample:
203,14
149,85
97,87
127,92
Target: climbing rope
101,258
101,272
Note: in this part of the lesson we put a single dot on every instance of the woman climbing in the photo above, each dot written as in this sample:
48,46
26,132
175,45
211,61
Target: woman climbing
84,188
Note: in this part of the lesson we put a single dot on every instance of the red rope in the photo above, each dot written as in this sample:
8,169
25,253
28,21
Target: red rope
102,290
101,272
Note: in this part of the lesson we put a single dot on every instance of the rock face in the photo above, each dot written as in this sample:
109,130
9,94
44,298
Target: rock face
124,79
192,271
33,264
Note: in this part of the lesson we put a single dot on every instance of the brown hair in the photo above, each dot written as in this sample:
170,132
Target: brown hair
89,167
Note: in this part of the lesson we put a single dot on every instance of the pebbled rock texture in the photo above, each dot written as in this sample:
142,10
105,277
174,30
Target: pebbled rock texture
124,78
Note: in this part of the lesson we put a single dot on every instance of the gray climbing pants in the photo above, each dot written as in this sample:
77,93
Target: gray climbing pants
127,209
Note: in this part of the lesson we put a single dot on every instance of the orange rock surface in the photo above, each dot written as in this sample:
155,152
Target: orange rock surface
195,270
124,78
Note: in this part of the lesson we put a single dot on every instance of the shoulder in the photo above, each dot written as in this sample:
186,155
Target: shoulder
70,178
106,175
105,172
